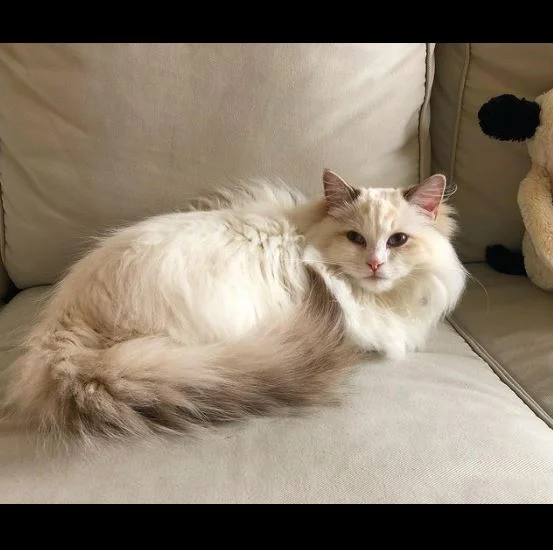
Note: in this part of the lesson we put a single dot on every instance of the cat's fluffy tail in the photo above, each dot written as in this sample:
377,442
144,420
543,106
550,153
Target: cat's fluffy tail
153,384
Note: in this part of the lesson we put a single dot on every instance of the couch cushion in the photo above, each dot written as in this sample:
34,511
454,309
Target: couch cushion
509,321
100,134
486,172
437,427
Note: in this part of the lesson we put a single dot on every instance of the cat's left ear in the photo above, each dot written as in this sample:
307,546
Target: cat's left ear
337,191
428,195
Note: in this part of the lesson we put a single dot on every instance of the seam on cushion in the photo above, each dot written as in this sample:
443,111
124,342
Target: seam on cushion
500,371
424,114
460,97
7,287
3,240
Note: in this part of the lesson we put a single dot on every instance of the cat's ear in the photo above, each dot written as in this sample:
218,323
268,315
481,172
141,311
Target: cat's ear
337,191
428,195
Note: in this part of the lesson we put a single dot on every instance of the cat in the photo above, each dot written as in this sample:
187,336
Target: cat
254,301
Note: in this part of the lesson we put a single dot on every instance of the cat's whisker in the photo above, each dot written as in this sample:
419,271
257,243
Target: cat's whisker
482,286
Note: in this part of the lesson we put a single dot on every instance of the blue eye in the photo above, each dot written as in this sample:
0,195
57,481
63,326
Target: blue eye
397,239
356,238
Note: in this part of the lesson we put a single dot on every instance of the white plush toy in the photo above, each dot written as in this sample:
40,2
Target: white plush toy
509,118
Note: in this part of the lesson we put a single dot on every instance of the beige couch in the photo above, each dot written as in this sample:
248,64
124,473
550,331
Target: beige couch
95,135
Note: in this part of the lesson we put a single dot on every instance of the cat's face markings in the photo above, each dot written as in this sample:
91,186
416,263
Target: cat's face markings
380,235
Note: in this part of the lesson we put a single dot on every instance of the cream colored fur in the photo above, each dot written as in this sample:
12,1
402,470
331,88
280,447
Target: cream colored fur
253,302
535,200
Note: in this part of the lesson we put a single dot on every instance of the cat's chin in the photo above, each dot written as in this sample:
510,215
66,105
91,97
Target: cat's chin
376,284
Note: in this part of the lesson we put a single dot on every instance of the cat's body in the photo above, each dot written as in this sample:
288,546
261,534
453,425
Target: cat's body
253,302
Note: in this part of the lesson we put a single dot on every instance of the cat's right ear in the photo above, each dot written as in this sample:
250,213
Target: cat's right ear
337,191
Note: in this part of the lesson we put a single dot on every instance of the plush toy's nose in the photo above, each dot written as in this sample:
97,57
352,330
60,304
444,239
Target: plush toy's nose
509,118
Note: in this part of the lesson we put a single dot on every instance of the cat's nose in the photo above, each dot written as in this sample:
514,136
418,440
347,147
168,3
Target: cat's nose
374,265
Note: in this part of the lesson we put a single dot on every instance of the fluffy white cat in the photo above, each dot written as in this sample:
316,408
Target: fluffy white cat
256,301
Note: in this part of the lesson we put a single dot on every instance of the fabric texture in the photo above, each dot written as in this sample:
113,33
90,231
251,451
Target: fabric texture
487,173
4,279
509,319
438,427
97,135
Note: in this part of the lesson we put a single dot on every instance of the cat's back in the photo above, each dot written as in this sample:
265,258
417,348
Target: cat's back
223,232
252,194
216,274
241,210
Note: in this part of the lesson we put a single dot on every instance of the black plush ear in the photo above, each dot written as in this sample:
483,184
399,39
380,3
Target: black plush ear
508,118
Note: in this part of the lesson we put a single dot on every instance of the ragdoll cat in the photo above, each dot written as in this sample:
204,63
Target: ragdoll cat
255,302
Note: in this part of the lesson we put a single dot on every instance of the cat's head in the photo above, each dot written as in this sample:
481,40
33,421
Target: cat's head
377,236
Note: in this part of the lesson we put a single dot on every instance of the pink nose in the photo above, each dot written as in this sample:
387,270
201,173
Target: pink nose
374,265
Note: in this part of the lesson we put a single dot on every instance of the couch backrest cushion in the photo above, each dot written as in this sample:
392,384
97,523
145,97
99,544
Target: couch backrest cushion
97,135
486,172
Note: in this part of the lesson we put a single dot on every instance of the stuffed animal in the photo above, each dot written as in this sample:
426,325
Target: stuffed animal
508,118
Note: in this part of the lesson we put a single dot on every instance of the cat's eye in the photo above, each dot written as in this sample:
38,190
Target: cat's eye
397,239
356,238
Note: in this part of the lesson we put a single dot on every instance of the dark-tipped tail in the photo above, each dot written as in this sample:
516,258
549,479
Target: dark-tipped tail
154,384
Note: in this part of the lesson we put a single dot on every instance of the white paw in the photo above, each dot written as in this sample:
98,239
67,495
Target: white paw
395,353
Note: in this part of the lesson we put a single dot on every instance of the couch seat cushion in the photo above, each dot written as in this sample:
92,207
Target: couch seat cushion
509,321
438,427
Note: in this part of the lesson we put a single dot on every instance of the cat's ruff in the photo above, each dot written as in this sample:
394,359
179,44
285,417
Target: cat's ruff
253,302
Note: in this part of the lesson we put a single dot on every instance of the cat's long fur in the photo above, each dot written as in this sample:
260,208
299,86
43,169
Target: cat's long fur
242,306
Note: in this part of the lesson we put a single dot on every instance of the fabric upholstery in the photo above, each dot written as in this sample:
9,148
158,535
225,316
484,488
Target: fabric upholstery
510,321
438,427
96,135
487,172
